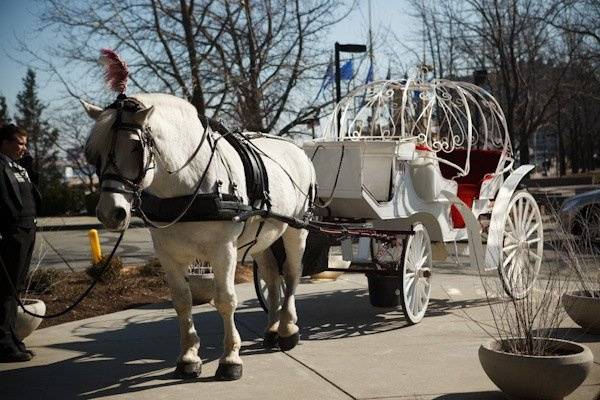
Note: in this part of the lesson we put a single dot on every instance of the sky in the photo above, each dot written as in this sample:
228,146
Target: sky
18,21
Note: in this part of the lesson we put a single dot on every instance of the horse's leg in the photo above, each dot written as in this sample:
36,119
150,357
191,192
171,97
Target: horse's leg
224,261
294,241
188,363
269,270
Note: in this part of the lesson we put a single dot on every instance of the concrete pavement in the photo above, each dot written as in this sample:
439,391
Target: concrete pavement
71,248
348,350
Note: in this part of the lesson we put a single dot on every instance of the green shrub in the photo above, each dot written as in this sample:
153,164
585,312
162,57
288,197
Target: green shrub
61,199
112,271
40,280
91,200
152,267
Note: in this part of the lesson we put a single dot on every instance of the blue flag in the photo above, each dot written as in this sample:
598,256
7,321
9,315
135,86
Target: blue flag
346,71
327,79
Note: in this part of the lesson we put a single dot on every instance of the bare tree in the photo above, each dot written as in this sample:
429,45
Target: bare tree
73,135
252,63
516,41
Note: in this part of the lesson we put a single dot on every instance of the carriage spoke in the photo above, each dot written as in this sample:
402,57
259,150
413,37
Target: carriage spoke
526,212
532,241
533,229
416,300
509,247
511,235
514,214
509,272
422,255
515,273
531,216
421,262
421,297
520,210
520,284
535,255
509,258
511,225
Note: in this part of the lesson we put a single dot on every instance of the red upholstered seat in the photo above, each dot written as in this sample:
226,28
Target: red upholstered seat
482,162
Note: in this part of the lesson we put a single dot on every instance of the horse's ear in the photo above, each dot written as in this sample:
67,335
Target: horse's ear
92,111
140,117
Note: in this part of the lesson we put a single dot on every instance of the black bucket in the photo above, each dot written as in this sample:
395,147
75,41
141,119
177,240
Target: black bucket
384,290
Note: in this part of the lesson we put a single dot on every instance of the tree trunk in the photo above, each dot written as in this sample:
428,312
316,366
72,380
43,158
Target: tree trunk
524,148
562,159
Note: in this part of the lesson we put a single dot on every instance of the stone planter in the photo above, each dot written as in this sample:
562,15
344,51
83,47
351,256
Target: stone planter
537,377
25,323
584,310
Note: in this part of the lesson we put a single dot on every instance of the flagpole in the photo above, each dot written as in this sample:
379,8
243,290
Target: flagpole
371,41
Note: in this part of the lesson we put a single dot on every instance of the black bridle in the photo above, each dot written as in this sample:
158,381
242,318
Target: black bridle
147,162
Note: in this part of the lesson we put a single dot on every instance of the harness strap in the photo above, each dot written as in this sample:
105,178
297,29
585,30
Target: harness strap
251,244
188,206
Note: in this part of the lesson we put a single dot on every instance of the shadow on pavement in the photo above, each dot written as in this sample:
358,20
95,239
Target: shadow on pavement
348,313
573,334
496,395
113,357
117,356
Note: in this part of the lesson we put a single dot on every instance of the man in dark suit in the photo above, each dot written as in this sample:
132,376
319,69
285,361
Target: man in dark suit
19,202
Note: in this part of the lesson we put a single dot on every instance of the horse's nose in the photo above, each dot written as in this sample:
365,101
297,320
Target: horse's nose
119,214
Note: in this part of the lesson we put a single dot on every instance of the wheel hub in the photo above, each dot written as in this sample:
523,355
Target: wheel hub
425,273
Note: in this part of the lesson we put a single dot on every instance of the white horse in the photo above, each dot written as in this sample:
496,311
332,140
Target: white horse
176,132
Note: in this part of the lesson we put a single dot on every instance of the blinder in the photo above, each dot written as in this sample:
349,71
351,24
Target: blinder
137,133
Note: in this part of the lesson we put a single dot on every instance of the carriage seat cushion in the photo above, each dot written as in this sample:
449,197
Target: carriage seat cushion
483,162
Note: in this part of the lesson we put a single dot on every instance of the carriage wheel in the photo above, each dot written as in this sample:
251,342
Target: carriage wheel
260,286
416,275
416,270
522,245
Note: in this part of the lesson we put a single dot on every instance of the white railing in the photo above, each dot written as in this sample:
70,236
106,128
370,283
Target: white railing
442,115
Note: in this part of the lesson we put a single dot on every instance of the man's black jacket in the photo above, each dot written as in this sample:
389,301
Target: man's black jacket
10,197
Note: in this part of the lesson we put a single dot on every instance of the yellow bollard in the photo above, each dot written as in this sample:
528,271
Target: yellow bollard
95,246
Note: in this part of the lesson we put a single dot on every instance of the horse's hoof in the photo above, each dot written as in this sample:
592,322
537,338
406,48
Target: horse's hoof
187,370
288,343
270,340
229,372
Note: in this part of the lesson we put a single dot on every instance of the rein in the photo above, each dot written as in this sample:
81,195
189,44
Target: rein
15,292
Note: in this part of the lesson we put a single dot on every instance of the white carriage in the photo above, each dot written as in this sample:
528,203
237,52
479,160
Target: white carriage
406,167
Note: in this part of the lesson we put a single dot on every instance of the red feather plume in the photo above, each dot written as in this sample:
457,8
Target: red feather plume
115,70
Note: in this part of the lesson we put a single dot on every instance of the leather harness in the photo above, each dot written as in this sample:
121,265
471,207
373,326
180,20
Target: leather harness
257,182
200,207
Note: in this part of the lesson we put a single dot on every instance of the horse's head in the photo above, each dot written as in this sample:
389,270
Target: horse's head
120,146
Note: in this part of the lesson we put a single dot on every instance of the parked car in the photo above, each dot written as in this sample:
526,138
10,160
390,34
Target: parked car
581,214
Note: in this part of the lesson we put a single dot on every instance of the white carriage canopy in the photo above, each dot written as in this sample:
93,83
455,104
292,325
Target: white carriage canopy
456,123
